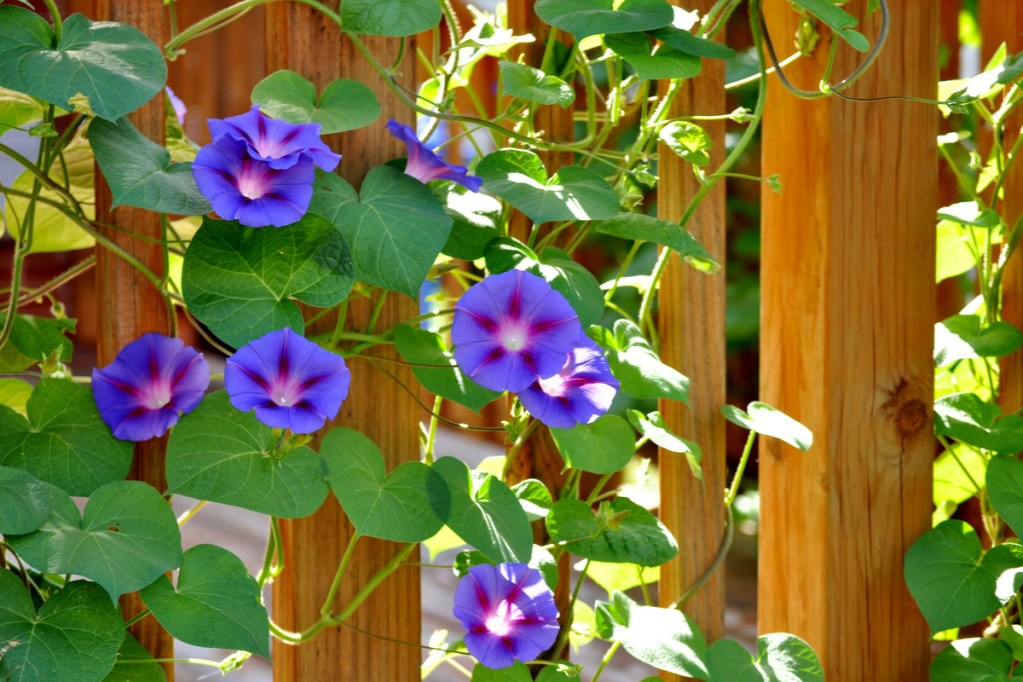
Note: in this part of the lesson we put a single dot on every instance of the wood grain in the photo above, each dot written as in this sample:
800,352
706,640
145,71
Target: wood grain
691,324
847,314
299,39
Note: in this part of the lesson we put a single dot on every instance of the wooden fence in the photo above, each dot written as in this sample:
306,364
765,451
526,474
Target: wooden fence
848,303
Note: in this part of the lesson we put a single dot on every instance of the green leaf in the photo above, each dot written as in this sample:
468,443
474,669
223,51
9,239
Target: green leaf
409,504
447,379
243,283
73,637
952,583
652,63
621,577
573,193
967,418
683,40
620,532
1004,480
652,426
603,446
951,482
485,513
396,227
125,538
973,660
394,18
63,441
135,664
584,18
664,638
650,229
52,229
14,393
521,80
24,502
690,142
635,364
220,454
770,421
216,603
516,672
535,498
18,109
953,255
969,213
116,67
476,219
779,657
33,339
140,172
960,337
840,21
345,104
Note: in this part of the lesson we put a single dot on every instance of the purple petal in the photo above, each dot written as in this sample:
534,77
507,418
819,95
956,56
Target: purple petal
279,143
180,110
425,165
578,394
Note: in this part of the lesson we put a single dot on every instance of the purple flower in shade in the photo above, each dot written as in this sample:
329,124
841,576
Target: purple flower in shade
508,613
179,107
260,171
425,165
512,328
578,394
152,381
290,381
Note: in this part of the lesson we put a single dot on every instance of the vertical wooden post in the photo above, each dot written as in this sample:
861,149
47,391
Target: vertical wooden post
691,322
302,40
846,342
129,304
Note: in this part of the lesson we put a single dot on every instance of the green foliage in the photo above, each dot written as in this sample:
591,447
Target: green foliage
345,104
635,364
521,80
445,378
620,531
769,421
24,502
135,664
778,657
584,18
646,228
960,337
652,426
840,21
34,339
970,660
652,63
390,17
601,447
969,419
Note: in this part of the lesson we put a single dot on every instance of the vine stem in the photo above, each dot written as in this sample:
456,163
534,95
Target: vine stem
58,25
733,490
606,660
339,575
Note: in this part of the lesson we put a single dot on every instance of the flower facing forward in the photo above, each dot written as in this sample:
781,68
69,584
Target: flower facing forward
508,613
149,385
425,165
578,394
259,170
290,381
511,329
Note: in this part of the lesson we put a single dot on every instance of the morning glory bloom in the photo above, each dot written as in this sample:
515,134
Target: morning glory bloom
425,165
508,613
290,381
511,329
260,171
180,110
578,394
149,385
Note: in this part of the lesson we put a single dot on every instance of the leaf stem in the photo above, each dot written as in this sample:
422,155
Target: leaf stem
328,602
733,490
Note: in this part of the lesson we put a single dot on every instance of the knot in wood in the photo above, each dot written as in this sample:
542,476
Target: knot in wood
912,417
907,416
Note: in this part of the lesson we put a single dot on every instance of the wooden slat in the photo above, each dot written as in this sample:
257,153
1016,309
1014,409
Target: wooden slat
691,323
129,305
301,40
846,336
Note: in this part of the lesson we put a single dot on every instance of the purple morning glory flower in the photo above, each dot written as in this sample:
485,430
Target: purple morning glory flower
425,165
512,328
149,385
508,613
578,394
290,381
179,107
260,171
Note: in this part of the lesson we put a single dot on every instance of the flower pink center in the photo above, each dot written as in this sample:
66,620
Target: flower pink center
503,619
513,335
285,392
157,394
555,386
251,180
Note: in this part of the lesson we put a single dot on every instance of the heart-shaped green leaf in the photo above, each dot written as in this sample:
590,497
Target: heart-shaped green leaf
485,513
396,227
517,672
345,104
779,657
74,637
240,282
446,379
960,337
573,193
140,172
135,664
33,339
967,418
1004,481
690,142
603,446
409,504
521,80
665,638
650,62
24,502
652,426
476,219
394,18
770,421
220,454
840,21
975,659
621,531
584,18
114,66
635,364
650,229
14,393
124,539
621,577
18,109
63,442
683,40
216,603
